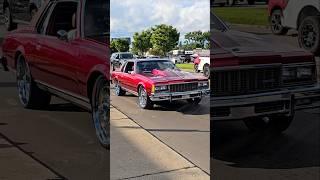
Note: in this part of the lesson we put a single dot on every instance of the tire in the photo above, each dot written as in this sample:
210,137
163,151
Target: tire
276,124
206,70
100,104
308,34
144,101
9,24
276,23
118,90
194,101
195,67
29,94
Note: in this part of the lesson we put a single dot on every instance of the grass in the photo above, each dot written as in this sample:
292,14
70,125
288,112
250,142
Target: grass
245,15
186,67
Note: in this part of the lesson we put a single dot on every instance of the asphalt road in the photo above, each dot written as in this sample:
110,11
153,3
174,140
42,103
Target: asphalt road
183,127
61,136
239,154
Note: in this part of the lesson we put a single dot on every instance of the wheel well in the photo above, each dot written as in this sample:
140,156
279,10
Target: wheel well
90,83
306,12
139,87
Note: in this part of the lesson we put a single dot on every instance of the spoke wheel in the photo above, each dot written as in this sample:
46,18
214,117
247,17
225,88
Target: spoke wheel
143,99
23,81
309,34
100,111
276,23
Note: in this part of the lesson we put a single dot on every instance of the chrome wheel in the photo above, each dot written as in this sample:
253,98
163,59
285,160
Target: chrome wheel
276,23
308,36
7,17
100,110
143,97
23,81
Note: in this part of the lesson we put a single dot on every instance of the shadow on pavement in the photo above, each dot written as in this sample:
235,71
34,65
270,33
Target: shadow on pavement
64,107
163,130
7,84
298,147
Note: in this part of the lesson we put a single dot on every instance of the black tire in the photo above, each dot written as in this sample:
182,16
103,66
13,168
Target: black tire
100,104
8,22
194,101
206,70
276,124
276,23
118,90
309,34
144,101
29,93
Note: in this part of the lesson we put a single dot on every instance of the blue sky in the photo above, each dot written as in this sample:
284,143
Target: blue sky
129,16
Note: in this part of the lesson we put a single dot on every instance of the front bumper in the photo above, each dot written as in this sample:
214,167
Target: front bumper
284,102
179,95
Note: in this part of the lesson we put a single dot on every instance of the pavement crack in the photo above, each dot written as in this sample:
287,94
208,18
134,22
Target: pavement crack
161,172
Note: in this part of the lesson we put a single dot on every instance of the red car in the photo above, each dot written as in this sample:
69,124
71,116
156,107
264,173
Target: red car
154,80
64,52
258,80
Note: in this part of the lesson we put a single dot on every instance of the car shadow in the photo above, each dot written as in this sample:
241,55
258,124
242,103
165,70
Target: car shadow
183,107
231,142
65,107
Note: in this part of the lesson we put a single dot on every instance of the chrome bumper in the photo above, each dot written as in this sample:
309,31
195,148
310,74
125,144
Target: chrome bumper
179,95
280,102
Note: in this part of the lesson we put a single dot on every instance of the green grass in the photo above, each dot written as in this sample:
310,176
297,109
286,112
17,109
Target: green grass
186,67
245,15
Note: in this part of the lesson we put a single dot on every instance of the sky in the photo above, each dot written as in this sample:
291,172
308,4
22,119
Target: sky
130,16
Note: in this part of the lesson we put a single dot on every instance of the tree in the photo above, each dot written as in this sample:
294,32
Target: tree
164,38
197,39
121,45
112,47
141,42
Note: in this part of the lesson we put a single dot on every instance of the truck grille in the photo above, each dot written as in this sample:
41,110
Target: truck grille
245,81
183,87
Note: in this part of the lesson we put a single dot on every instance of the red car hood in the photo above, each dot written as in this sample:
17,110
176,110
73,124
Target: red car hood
239,48
173,76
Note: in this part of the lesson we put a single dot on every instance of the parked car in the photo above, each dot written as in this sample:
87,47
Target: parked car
303,16
119,58
203,66
19,11
155,80
59,54
177,59
258,80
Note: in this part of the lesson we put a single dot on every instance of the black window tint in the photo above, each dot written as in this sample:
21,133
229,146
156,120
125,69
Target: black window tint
41,23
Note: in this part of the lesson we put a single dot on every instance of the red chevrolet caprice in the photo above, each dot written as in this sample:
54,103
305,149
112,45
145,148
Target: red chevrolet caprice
154,80
64,52
258,80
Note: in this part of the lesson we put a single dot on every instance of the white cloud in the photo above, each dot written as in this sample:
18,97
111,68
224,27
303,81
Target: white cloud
129,16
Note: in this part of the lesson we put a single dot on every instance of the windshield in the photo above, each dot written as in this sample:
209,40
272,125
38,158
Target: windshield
150,65
96,19
217,24
127,56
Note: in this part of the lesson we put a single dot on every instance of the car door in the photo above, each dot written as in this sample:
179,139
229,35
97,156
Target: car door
59,57
128,75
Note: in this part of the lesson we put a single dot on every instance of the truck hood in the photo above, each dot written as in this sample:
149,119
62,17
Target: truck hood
172,76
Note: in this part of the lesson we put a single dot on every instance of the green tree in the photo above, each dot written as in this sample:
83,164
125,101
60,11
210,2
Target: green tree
141,42
121,45
112,47
197,39
164,38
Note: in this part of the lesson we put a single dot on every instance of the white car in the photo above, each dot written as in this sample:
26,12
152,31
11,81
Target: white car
204,66
302,15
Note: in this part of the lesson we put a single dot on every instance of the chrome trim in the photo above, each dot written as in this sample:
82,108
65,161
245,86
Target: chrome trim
165,96
245,67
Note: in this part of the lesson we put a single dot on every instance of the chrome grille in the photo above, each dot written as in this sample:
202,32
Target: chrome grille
183,87
245,81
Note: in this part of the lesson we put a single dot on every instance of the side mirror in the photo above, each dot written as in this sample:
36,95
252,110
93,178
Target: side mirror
62,35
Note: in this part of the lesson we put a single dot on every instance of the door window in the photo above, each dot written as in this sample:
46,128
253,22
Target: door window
129,67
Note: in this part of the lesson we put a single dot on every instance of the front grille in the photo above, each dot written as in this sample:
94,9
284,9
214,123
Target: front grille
245,81
183,87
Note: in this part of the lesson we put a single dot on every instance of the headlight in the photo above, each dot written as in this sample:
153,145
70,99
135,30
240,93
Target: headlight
161,88
203,84
298,74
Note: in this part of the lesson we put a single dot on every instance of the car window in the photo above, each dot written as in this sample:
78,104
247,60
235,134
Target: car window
44,18
149,66
63,17
126,56
96,19
129,67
